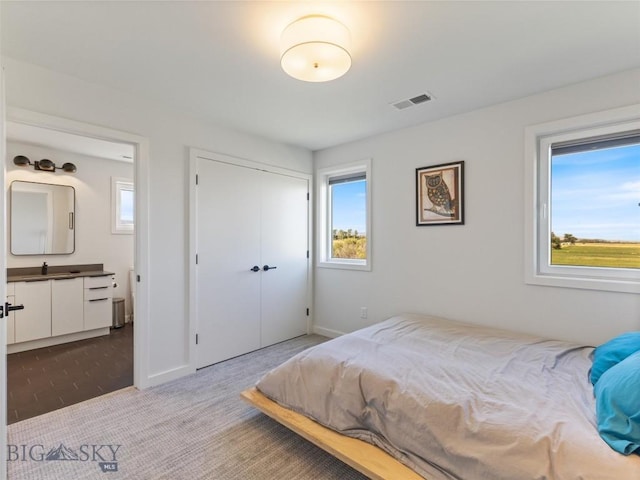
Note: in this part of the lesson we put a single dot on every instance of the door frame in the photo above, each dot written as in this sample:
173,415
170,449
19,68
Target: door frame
3,282
194,155
141,249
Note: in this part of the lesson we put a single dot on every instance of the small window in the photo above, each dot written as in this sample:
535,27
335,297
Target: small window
122,205
344,207
586,198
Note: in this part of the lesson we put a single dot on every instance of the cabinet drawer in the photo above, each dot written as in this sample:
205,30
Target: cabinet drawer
97,313
98,292
96,282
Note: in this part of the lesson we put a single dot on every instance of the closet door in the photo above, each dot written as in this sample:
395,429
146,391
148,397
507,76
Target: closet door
228,243
284,245
251,276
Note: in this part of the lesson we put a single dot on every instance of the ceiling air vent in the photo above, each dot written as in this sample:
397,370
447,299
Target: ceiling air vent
418,99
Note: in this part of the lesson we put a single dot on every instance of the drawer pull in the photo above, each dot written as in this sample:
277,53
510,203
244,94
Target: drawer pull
97,288
99,299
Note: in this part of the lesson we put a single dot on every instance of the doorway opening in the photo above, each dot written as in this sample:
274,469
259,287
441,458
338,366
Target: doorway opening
63,367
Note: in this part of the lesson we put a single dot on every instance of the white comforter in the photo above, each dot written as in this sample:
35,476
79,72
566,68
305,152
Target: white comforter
455,401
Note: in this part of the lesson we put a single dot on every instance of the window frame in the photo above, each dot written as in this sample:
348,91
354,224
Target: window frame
119,184
324,238
538,141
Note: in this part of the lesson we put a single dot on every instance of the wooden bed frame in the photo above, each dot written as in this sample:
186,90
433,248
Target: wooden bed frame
364,457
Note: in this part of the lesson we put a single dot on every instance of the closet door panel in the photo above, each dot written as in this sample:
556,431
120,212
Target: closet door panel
284,245
228,245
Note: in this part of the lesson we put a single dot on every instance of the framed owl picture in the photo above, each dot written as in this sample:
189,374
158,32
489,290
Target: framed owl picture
440,194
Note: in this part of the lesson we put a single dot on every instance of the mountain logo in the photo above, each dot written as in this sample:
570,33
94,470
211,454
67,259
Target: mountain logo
61,453
104,455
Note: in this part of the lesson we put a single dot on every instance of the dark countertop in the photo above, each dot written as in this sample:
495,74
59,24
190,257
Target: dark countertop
34,274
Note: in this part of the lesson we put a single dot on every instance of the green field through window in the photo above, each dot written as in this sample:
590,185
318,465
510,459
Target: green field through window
611,255
595,202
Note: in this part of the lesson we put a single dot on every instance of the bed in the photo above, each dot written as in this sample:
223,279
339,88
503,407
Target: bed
424,397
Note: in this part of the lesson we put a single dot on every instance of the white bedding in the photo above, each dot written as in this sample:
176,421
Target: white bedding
455,401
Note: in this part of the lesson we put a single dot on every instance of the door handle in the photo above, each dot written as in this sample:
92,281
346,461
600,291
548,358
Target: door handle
11,308
266,268
255,268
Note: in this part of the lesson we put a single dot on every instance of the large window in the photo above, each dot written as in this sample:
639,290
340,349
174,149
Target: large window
584,230
344,216
594,208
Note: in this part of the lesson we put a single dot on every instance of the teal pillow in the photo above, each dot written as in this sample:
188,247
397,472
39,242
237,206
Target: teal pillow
618,405
614,351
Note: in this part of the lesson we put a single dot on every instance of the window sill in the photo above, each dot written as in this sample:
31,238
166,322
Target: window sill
345,265
606,285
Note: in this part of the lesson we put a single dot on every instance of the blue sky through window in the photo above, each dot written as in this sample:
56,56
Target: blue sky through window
349,206
126,206
596,194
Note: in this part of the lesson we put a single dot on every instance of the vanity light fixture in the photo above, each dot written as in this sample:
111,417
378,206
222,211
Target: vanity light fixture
45,164
315,48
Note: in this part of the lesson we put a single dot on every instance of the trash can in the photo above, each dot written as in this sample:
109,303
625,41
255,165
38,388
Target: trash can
118,312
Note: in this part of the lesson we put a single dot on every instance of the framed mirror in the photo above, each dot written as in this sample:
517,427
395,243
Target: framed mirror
42,218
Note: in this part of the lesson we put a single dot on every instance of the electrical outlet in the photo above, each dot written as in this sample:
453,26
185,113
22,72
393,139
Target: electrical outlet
363,312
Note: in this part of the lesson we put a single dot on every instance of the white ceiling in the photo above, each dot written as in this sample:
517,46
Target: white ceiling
219,61
68,142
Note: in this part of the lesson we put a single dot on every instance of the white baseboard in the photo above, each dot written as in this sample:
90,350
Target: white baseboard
327,332
168,375
50,341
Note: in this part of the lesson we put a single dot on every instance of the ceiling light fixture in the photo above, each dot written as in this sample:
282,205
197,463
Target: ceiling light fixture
44,165
315,48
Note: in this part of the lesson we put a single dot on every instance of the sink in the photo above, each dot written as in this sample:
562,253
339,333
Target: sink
57,275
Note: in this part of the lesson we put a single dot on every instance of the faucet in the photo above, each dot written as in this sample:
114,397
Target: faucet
45,267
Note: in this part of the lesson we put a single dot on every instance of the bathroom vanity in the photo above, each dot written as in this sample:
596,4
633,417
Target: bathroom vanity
61,304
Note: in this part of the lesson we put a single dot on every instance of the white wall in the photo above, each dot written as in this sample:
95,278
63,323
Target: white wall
169,134
92,183
474,272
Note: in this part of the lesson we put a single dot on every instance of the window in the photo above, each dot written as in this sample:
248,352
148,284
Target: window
122,205
344,216
583,214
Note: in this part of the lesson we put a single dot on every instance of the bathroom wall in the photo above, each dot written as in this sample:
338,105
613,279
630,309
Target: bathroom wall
94,241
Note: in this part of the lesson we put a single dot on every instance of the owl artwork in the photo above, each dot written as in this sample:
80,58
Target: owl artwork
439,195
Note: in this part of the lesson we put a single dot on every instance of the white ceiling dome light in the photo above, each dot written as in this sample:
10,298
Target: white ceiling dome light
315,48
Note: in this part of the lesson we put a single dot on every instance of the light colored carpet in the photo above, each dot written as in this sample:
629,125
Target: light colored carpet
193,428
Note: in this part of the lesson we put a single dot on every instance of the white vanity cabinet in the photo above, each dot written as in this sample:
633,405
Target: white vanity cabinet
34,321
10,318
58,310
67,306
98,298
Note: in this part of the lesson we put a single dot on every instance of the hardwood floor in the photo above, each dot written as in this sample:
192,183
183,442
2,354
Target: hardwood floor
46,379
